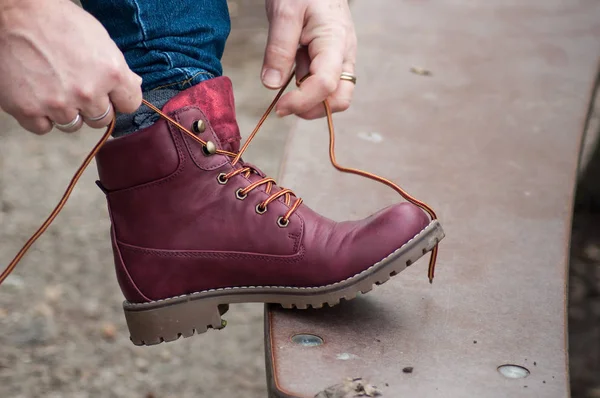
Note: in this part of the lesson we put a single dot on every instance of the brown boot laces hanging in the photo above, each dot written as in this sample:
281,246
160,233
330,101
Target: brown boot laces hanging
236,158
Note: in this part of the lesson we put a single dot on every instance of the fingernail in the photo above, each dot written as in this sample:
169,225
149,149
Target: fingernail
281,113
271,78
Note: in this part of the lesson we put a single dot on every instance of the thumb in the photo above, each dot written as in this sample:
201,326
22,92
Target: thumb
282,43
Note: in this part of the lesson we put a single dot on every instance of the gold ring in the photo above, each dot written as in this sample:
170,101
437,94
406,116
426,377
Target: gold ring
349,77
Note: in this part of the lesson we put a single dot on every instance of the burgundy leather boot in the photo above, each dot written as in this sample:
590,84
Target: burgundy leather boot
193,232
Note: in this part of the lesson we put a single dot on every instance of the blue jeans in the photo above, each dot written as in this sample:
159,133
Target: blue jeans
169,43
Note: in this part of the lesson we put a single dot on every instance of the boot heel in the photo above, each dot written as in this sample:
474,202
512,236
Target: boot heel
168,320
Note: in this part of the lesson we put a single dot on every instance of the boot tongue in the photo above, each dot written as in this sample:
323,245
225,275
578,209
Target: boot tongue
215,98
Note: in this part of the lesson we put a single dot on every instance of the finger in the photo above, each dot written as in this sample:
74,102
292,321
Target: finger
326,67
285,29
98,114
127,96
69,118
339,101
37,125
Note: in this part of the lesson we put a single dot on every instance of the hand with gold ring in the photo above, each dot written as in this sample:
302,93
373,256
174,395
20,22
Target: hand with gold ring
325,32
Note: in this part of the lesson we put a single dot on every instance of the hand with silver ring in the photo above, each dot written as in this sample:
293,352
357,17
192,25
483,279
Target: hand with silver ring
46,83
325,32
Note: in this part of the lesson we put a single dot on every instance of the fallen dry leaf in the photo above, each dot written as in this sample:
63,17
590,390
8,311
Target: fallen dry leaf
420,71
350,388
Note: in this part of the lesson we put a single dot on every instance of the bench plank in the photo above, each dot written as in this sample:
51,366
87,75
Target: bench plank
491,140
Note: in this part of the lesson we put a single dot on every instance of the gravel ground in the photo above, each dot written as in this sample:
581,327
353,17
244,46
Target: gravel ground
63,333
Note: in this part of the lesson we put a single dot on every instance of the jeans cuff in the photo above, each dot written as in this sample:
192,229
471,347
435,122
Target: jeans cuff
193,77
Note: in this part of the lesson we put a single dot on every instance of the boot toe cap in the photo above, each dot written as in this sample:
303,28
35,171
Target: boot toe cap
378,236
393,227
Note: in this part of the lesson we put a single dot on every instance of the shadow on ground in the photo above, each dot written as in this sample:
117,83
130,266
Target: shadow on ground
584,275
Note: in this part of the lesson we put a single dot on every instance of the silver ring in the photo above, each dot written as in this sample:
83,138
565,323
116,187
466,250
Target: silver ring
70,125
349,77
98,118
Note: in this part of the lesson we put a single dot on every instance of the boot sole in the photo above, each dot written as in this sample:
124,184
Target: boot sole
169,319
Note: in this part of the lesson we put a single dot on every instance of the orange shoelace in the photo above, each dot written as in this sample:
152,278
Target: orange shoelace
236,157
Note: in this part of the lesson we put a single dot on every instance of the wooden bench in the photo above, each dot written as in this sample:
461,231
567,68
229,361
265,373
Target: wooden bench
487,129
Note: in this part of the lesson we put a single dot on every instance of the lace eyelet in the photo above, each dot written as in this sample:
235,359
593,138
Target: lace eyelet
260,209
209,149
199,126
240,195
222,178
282,222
